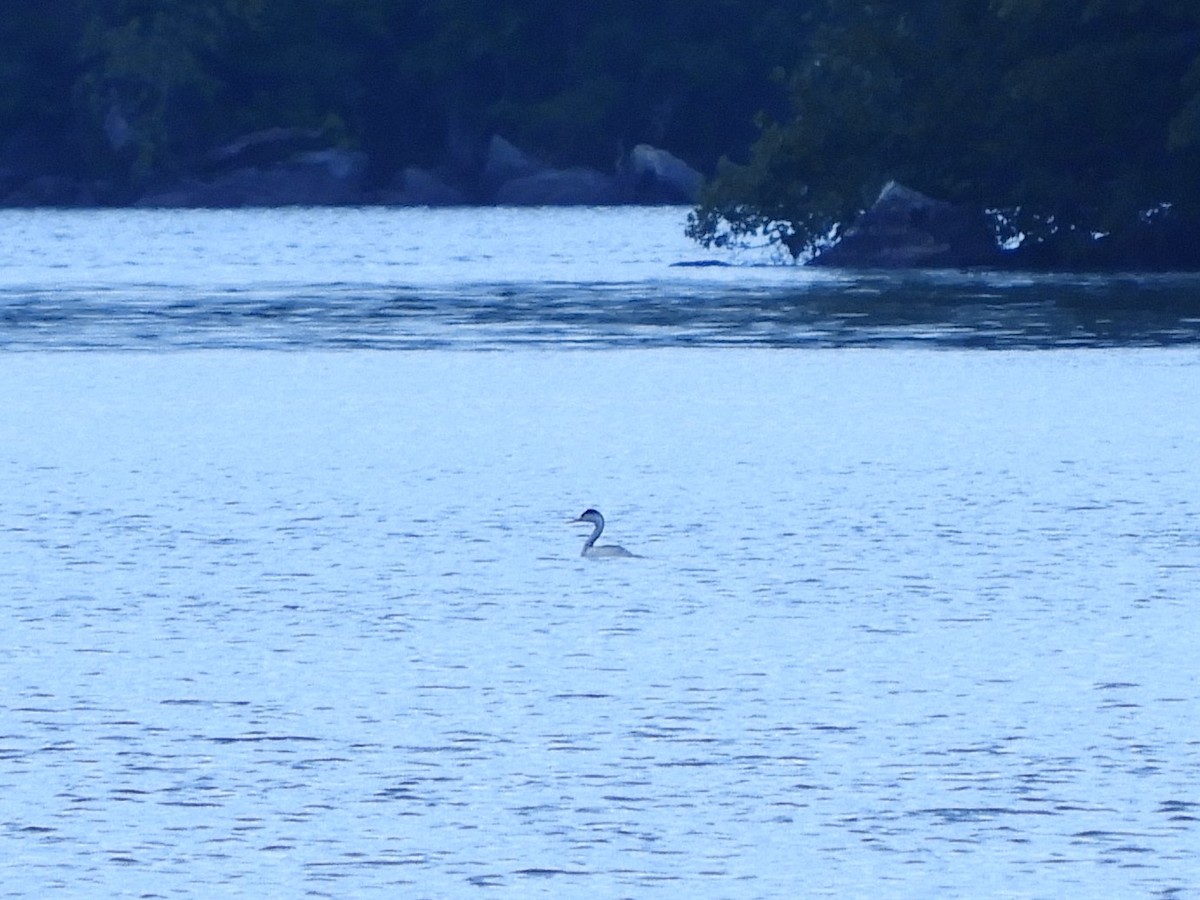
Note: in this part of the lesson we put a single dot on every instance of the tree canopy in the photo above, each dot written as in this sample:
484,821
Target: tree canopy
1077,124
137,87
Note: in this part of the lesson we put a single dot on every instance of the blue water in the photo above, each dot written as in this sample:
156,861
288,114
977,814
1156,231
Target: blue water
504,278
915,617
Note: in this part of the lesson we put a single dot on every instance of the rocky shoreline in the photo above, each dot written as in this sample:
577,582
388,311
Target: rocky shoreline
294,167
280,167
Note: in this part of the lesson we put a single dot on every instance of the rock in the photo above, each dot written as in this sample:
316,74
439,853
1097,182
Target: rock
420,187
50,190
36,170
562,187
316,178
464,145
506,161
661,177
905,229
265,147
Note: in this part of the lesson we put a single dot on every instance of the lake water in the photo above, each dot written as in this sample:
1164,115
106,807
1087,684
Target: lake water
291,607
514,279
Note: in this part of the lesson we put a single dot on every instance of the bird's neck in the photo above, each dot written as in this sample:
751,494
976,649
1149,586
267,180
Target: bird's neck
596,529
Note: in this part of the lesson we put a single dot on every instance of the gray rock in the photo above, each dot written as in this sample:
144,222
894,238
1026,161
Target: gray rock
905,229
50,190
506,161
36,170
269,146
420,187
562,187
662,177
316,178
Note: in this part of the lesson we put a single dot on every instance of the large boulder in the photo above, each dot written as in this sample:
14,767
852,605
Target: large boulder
414,186
662,177
904,229
512,177
506,161
49,190
314,178
38,168
266,147
561,187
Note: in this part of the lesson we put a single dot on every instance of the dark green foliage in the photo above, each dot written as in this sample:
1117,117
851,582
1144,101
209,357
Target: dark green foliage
1073,121
136,88
1070,118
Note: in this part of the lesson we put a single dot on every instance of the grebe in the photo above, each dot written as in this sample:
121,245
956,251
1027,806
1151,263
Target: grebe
590,550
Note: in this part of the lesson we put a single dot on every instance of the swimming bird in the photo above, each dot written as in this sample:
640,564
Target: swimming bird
590,550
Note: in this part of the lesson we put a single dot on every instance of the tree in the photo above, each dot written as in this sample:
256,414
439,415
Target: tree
1075,123
148,88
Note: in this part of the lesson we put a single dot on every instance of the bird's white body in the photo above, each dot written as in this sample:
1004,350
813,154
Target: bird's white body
604,551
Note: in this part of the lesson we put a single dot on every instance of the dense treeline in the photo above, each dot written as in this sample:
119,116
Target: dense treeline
1075,122
132,89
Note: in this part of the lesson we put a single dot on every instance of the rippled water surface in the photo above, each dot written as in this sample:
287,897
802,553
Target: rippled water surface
909,622
468,278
